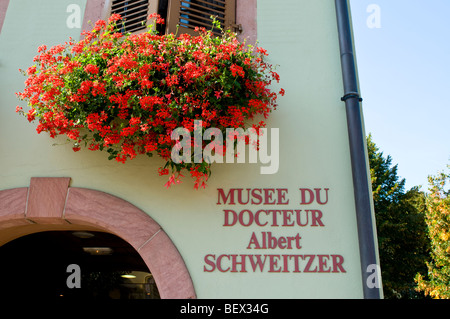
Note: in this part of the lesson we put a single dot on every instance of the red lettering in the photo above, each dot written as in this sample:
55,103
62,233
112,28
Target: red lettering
260,263
316,217
273,262
281,196
257,218
221,194
240,201
271,241
227,222
234,263
256,196
299,219
289,242
318,196
254,241
276,263
296,262
302,218
210,263
274,216
297,241
268,192
338,260
264,240
285,263
308,265
323,263
303,192
287,218
250,217
282,242
219,263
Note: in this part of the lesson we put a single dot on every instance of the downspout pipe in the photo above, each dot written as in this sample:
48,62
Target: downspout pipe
362,191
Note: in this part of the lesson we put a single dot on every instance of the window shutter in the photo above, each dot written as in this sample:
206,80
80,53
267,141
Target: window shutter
188,14
134,14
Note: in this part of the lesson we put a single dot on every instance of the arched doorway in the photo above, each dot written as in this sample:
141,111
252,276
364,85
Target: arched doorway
74,265
49,204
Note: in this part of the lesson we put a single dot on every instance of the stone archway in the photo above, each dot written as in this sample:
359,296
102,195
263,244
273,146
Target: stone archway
50,204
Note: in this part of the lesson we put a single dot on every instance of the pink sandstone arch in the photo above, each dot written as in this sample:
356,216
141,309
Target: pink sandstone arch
50,204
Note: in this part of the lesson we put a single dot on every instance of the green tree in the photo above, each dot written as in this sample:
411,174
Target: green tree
437,283
401,227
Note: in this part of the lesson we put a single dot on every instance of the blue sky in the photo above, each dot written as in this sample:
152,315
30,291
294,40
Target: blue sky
403,58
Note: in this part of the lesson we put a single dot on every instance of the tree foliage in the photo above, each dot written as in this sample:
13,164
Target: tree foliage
401,227
437,283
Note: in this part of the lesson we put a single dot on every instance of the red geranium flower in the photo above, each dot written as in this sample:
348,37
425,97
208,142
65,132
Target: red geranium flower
125,94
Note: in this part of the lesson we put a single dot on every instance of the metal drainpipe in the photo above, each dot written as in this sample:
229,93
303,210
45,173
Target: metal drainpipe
363,193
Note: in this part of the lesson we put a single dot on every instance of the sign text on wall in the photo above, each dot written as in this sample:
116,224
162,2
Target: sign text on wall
269,211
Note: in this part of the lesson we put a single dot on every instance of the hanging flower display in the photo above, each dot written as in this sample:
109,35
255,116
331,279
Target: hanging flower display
126,93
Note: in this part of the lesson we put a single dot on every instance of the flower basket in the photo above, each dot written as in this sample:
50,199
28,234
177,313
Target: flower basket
125,94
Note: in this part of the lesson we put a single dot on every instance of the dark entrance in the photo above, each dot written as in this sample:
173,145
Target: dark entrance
45,265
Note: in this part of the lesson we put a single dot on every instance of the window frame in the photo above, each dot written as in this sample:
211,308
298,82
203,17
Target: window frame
174,15
149,6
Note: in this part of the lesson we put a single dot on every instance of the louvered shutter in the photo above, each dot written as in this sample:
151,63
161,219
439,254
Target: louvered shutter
134,14
188,14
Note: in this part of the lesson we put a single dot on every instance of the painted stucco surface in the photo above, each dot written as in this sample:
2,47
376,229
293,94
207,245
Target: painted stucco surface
301,37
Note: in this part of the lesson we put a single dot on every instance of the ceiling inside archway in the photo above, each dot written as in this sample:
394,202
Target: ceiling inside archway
37,263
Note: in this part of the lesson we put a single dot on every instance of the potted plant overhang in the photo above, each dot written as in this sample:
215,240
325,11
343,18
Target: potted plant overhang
126,93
